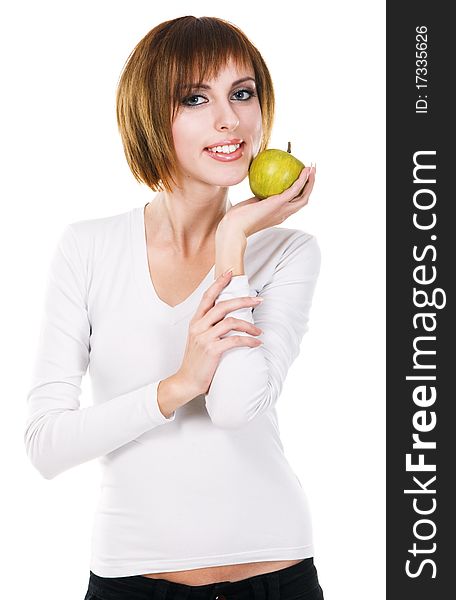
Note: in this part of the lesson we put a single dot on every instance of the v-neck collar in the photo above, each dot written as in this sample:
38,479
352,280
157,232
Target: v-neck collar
141,267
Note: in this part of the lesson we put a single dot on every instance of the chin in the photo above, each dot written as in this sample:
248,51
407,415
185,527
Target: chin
229,181
225,177
230,176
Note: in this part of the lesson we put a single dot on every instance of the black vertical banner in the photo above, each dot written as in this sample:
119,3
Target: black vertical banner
421,268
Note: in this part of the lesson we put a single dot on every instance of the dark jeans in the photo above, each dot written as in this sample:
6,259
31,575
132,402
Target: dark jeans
298,582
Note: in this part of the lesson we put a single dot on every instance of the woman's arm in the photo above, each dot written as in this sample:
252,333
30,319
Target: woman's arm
248,381
58,434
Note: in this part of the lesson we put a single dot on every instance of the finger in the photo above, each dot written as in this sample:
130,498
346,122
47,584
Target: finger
218,312
230,324
297,186
210,295
298,203
306,190
233,341
291,191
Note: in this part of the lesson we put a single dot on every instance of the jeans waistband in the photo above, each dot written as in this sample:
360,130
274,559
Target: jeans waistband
266,586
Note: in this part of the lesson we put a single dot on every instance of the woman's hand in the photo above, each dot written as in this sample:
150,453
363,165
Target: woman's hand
204,347
253,215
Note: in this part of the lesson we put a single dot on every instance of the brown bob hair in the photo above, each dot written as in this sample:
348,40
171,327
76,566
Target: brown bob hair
154,79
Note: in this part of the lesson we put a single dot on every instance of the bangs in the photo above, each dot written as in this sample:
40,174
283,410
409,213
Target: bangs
202,48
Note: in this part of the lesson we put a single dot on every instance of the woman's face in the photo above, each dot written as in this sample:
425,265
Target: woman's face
225,111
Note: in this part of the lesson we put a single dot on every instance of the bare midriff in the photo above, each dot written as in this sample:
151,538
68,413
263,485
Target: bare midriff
223,573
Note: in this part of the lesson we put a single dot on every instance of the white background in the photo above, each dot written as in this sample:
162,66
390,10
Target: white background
62,161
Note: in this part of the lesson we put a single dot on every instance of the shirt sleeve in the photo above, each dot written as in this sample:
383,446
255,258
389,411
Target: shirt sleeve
58,433
248,381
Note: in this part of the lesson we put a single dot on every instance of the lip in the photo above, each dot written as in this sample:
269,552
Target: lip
227,157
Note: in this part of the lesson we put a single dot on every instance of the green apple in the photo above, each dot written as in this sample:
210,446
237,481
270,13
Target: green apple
273,171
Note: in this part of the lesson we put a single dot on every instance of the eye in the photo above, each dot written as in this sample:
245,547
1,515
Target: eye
246,91
188,100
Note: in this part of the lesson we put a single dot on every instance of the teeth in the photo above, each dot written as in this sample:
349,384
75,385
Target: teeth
225,149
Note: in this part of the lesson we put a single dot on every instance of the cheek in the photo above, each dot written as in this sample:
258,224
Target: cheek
185,136
178,136
256,132
256,122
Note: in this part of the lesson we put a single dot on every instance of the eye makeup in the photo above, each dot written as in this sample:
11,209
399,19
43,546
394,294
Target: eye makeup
185,100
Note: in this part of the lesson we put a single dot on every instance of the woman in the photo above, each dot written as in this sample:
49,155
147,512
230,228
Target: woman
186,361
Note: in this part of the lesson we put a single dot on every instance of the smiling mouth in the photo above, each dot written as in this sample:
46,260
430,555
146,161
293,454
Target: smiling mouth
226,150
227,156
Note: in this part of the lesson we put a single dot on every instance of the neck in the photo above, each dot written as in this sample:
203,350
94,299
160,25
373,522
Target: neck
187,225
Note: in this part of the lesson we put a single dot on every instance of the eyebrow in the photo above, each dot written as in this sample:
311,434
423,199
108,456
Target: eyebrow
203,86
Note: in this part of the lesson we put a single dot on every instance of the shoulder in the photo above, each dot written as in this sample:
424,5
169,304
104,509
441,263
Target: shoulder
89,234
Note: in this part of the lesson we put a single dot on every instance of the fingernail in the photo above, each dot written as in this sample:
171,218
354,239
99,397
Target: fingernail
258,299
230,270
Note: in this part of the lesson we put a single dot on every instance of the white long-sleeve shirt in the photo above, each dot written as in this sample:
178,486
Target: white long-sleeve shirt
210,485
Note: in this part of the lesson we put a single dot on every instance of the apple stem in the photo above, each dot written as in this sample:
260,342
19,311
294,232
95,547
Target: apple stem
289,147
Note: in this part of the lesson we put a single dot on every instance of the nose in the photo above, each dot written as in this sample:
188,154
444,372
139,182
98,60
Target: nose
226,118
